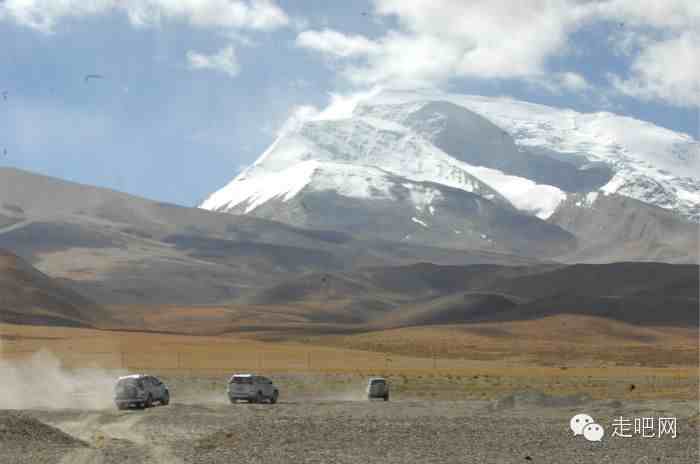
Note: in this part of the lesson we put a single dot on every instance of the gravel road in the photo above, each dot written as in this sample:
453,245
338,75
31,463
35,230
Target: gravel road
525,428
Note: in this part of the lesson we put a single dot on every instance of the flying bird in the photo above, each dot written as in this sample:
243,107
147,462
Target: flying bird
93,76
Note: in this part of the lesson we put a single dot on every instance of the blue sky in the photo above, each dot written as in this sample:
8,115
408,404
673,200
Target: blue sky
195,89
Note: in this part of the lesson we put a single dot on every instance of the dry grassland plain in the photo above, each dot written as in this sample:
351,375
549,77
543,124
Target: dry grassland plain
475,362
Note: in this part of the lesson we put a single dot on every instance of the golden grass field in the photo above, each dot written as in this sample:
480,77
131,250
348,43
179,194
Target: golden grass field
480,360
559,341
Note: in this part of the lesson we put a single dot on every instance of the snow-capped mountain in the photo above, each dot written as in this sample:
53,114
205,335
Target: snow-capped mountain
649,163
418,158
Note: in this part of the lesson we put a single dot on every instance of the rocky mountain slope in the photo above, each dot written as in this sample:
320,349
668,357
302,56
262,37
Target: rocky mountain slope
28,296
425,294
118,249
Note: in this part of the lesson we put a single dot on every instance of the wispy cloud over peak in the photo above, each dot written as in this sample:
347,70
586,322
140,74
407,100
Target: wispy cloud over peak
223,61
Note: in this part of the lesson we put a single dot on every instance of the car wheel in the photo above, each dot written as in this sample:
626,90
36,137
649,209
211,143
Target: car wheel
259,397
149,402
273,398
166,399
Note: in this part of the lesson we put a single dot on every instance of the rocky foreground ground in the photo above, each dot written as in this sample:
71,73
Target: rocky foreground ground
516,429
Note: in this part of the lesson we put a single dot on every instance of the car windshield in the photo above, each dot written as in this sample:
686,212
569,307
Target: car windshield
128,383
242,380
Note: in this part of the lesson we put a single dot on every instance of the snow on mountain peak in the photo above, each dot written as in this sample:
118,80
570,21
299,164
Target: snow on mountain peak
255,187
397,134
650,163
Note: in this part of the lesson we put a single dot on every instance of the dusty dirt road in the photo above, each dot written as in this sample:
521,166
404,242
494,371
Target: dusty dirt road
516,429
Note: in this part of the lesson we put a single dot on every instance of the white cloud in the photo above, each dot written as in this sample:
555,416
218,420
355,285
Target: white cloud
336,43
297,117
224,61
43,15
663,40
340,106
666,70
441,40
408,61
573,82
666,14
557,83
628,42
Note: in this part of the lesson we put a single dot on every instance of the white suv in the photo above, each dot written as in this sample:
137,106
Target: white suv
252,388
140,391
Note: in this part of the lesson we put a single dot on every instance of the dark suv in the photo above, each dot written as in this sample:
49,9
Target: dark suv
140,391
378,387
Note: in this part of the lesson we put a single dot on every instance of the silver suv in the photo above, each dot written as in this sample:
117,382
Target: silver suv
140,391
252,388
378,387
